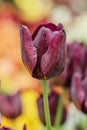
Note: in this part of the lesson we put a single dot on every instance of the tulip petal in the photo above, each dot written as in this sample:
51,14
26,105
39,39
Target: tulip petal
84,106
28,50
52,62
77,92
37,30
41,42
53,99
5,128
24,127
51,26
10,106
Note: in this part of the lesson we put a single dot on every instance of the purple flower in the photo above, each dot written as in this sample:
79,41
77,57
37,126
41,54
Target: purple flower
5,128
76,52
24,127
10,105
78,127
44,52
53,102
75,62
79,91
64,78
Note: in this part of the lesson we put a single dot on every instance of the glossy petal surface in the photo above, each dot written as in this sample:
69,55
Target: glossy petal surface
52,62
28,50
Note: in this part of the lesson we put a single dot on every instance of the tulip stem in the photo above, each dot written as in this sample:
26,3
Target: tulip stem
46,105
59,111
0,120
86,123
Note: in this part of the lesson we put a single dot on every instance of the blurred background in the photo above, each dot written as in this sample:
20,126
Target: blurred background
13,75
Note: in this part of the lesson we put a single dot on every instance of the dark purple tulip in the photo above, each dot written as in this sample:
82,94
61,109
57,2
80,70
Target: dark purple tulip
85,62
78,127
24,127
79,92
64,78
5,128
53,102
10,105
44,52
75,62
77,55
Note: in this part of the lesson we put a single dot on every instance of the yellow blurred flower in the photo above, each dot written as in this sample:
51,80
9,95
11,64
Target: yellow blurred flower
29,104
29,116
34,10
7,122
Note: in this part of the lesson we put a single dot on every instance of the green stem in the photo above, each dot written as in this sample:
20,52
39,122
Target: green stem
86,123
59,111
46,105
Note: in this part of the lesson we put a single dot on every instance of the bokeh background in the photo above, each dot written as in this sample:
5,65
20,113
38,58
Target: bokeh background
13,75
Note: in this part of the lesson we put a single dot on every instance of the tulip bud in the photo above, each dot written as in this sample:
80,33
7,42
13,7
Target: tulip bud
5,128
10,106
53,102
75,62
44,52
77,54
79,92
78,127
64,79
85,62
24,127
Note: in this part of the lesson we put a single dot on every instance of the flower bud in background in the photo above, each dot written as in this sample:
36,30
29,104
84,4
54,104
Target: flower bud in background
85,62
75,62
79,91
10,105
76,52
78,127
53,102
24,127
64,78
5,128
44,52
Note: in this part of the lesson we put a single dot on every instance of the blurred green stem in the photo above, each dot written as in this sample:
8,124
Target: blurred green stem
59,111
46,105
86,123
